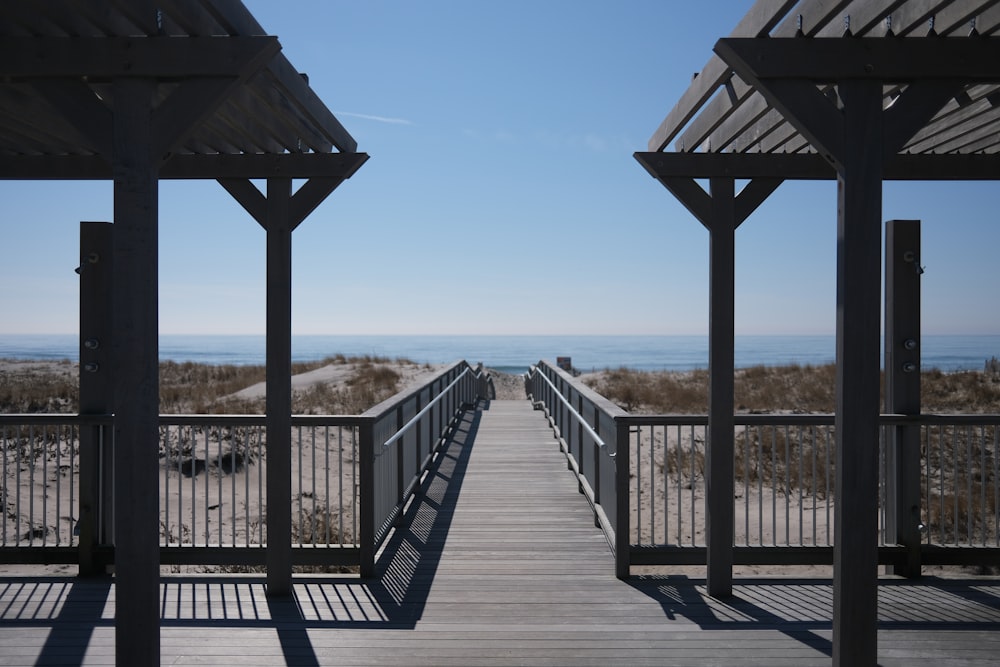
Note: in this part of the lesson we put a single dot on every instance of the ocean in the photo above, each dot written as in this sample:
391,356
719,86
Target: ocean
513,354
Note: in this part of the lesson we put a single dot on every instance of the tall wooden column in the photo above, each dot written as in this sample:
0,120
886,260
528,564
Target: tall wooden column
279,212
859,263
721,368
279,386
721,211
136,377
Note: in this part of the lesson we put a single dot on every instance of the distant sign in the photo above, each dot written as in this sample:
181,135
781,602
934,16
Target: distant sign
565,363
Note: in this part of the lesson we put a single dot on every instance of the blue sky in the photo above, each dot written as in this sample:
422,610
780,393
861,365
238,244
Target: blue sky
501,196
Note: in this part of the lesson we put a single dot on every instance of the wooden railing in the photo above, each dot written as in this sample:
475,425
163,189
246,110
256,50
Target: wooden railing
646,474
587,426
351,476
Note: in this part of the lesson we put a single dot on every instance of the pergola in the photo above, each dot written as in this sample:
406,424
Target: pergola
135,91
858,91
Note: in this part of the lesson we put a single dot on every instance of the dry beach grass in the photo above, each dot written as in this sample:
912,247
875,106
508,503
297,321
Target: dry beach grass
792,388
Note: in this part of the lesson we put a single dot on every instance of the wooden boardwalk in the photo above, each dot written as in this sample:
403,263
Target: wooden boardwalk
499,563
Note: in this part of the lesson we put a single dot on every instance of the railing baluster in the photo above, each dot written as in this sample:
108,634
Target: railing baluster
680,486
315,518
925,516
638,483
996,485
652,485
694,456
788,486
965,493
354,482
220,462
6,448
326,484
31,486
746,485
941,471
981,442
814,489
956,482
298,442
208,502
760,485
800,484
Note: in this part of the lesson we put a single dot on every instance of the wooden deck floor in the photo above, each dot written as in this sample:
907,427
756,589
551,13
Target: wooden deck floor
500,564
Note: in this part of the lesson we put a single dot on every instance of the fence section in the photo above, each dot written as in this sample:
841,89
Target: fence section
403,434
213,479
784,474
41,468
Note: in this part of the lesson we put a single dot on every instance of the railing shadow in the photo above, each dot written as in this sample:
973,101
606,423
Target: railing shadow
72,611
407,563
801,608
74,608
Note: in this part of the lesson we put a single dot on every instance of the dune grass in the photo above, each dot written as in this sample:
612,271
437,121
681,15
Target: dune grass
795,388
206,388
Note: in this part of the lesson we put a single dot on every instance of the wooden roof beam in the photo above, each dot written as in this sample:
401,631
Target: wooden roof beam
891,60
939,67
187,166
813,167
108,57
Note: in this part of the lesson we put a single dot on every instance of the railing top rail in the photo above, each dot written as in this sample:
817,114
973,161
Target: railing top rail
604,404
379,411
417,417
813,419
54,419
576,415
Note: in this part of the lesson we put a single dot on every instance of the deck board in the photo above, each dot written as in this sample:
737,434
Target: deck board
498,563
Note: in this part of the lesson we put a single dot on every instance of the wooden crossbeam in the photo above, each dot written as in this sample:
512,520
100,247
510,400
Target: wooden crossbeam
813,167
107,57
187,166
970,59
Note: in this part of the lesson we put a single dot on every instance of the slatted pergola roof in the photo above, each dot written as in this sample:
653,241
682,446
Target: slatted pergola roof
733,106
224,90
135,91
861,91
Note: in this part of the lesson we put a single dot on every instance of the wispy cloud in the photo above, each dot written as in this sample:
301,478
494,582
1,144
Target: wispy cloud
377,119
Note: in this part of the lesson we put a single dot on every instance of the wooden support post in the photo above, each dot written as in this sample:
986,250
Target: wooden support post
96,393
136,377
721,359
366,498
279,386
279,213
399,448
721,211
859,240
902,390
623,529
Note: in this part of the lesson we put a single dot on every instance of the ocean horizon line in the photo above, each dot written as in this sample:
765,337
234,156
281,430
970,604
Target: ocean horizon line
502,352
